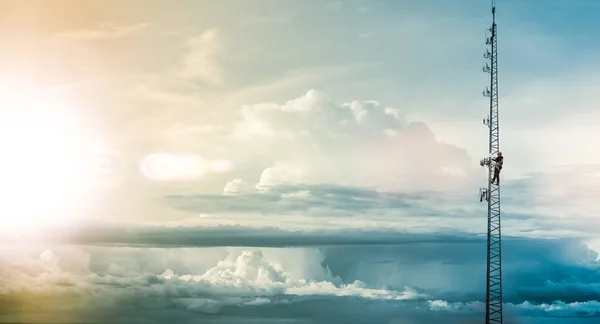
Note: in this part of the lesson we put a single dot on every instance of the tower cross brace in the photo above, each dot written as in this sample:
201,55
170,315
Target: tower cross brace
492,192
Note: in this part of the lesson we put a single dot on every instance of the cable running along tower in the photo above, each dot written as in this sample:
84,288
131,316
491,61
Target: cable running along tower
492,192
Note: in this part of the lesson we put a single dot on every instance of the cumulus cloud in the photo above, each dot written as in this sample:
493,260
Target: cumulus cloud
250,273
313,139
111,284
280,176
245,278
236,186
535,270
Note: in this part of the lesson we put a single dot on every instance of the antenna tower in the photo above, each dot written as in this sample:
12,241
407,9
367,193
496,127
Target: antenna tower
493,313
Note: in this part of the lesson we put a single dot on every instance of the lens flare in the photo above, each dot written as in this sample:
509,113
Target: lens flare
171,167
221,166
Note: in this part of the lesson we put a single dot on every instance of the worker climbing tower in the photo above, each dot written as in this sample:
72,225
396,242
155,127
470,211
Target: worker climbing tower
492,192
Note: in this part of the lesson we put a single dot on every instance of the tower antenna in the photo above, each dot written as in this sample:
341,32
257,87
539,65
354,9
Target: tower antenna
493,313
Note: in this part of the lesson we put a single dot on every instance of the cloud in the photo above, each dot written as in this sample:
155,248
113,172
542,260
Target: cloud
535,270
244,278
251,272
287,196
199,61
236,186
555,309
280,201
279,176
166,97
108,31
336,207
338,284
230,235
315,140
560,199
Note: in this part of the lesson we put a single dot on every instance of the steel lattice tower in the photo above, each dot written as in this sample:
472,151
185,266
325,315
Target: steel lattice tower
492,192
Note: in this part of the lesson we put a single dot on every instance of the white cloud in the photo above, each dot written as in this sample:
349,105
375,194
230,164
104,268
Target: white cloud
555,309
562,309
215,280
236,186
442,305
296,194
251,273
200,59
280,175
104,278
355,143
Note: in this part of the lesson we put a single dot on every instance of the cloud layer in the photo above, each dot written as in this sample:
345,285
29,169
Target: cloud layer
424,281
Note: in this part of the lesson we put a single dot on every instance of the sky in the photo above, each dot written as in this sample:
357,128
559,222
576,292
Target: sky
294,161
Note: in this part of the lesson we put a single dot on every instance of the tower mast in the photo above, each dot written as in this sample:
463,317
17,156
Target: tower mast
492,192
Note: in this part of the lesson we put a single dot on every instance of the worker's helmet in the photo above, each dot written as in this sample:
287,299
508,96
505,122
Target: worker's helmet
499,153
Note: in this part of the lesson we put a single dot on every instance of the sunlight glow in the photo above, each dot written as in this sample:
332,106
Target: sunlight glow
43,164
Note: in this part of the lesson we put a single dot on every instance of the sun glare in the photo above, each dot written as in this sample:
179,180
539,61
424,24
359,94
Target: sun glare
43,153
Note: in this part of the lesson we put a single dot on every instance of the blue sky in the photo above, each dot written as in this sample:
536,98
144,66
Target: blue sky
294,162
